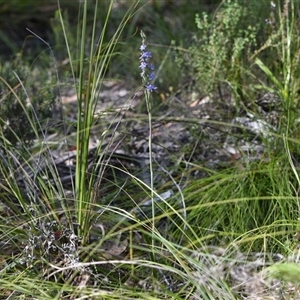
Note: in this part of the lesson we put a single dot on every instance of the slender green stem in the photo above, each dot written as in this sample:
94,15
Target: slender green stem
82,135
149,110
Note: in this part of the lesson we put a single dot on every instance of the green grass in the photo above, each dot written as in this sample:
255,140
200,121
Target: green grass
111,233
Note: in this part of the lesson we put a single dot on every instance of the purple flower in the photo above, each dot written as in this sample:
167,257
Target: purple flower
143,65
146,55
150,87
151,67
143,47
148,74
151,76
